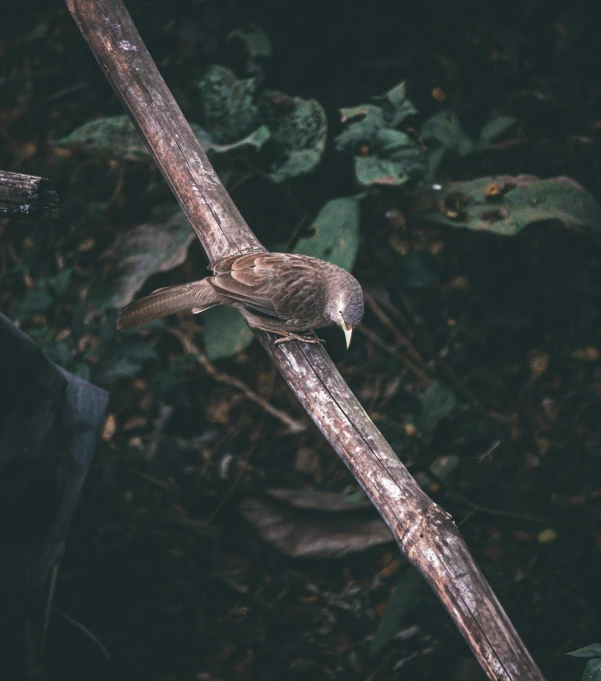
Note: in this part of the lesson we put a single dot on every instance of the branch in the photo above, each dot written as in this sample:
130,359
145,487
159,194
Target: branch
27,197
191,348
424,532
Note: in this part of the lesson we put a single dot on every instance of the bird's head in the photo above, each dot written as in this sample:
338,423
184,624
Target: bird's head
345,305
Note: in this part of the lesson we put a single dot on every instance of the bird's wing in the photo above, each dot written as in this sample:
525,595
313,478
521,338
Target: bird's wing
281,285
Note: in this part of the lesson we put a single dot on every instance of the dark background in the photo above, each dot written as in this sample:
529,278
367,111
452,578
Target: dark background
162,573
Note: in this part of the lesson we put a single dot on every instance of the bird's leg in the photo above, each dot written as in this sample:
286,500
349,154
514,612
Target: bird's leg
275,326
295,337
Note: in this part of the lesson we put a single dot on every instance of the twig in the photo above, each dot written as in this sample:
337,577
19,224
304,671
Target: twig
103,649
376,340
396,332
221,377
496,511
243,464
424,532
48,611
403,340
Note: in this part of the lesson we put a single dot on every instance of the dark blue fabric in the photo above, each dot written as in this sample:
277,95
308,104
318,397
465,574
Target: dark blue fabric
49,422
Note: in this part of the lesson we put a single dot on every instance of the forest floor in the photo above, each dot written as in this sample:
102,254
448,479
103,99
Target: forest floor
479,357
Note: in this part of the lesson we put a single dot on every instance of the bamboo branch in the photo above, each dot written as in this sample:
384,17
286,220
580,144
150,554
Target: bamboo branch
424,532
27,197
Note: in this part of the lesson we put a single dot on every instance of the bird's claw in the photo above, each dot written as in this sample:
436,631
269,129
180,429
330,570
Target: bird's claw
296,337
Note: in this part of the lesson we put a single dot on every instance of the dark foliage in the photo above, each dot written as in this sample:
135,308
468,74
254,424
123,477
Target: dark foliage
479,356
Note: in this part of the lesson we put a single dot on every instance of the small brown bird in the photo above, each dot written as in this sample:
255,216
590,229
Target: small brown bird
282,293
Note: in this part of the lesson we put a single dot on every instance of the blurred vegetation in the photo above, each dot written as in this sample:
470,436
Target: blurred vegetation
448,154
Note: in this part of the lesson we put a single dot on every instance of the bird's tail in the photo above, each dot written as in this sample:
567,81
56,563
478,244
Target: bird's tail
196,296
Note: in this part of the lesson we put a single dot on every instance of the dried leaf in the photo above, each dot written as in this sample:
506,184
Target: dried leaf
320,501
547,536
444,466
539,363
152,247
588,354
255,139
110,428
310,534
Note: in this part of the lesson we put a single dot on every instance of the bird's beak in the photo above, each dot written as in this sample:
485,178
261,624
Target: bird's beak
348,332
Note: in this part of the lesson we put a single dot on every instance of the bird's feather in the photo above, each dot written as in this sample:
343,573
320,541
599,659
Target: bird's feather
197,295
260,282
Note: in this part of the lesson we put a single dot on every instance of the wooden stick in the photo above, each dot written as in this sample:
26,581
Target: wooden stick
425,533
27,197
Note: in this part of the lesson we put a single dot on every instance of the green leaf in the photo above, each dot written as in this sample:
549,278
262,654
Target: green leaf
594,650
397,95
592,671
444,127
395,159
299,128
32,302
60,353
494,129
336,233
152,247
225,333
116,137
110,137
437,402
420,268
506,205
395,105
58,282
113,369
82,370
78,321
371,170
383,155
406,596
387,111
443,133
138,351
229,107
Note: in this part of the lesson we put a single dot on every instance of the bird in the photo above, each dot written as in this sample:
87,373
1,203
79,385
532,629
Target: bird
287,294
